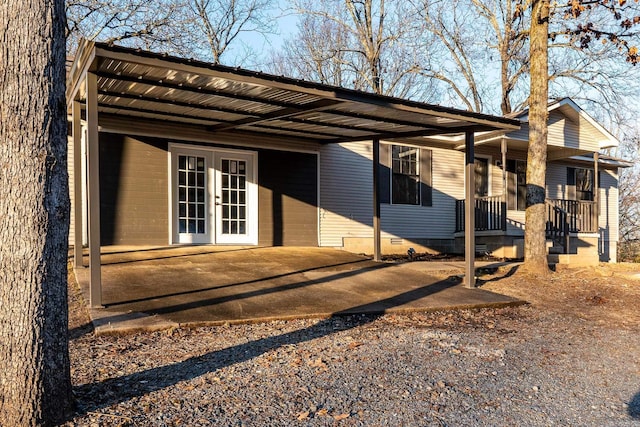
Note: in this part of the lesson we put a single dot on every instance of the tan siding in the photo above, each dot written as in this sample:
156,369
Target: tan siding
346,197
520,134
564,132
345,192
556,181
609,204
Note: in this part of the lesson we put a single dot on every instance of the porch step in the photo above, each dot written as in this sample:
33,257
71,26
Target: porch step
554,248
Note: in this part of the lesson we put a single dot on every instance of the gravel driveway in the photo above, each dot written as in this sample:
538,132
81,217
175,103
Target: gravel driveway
494,367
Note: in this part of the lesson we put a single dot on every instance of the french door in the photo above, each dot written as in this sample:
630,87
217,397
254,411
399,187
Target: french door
236,199
214,196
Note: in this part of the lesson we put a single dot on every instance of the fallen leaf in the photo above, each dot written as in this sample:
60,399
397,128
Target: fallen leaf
318,363
354,344
322,412
303,415
340,417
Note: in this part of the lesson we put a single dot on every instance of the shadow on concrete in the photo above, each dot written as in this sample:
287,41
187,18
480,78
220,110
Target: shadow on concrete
98,395
491,270
256,292
634,407
104,256
261,279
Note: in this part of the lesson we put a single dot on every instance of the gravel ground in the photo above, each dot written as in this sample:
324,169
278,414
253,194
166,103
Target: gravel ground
530,365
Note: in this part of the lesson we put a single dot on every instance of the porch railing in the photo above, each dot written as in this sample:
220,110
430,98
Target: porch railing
581,215
575,216
490,214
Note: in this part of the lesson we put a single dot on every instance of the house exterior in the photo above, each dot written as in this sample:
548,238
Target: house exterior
168,151
434,222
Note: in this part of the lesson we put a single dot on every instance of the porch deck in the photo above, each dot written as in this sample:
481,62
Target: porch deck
162,287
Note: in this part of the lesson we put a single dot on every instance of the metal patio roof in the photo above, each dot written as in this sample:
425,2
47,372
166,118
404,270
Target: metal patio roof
143,85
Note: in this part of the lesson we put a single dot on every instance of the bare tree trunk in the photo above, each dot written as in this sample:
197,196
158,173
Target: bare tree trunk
535,255
35,385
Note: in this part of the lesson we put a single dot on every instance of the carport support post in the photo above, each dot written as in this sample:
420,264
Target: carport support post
596,193
469,212
77,184
377,256
93,168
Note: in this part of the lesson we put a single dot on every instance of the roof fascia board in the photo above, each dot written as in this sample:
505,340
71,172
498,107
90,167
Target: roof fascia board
305,87
83,62
400,135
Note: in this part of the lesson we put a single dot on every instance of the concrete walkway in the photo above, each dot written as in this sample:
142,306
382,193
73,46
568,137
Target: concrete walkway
157,288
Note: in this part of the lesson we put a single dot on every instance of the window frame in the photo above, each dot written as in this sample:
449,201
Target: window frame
416,176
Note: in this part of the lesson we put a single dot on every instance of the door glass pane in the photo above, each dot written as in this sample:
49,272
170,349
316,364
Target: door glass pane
233,183
191,194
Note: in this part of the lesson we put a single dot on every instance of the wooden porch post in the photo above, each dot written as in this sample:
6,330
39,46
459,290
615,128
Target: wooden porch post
93,193
77,184
469,214
505,190
377,256
596,193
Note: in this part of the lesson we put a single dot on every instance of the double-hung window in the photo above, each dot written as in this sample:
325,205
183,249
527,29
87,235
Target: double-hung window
405,187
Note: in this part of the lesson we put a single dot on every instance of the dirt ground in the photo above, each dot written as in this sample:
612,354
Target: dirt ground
606,294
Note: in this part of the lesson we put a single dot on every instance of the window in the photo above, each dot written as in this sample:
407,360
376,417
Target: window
516,185
481,176
405,187
584,184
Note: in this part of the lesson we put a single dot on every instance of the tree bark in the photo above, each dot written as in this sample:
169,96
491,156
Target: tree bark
535,252
35,384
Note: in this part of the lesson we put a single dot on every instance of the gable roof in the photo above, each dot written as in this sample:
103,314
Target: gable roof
571,110
144,85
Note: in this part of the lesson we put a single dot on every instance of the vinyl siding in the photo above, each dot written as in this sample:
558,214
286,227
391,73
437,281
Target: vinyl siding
346,195
609,205
346,200
563,132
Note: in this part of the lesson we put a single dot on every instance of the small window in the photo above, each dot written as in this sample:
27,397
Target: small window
481,176
405,188
521,180
584,184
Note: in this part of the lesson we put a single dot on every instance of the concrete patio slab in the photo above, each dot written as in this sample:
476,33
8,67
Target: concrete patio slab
163,287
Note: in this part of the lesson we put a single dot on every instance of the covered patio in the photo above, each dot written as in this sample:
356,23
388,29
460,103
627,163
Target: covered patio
163,287
127,91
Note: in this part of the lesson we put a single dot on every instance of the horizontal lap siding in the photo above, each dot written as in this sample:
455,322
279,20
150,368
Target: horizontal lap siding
609,216
346,195
438,220
133,190
347,205
556,181
288,198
